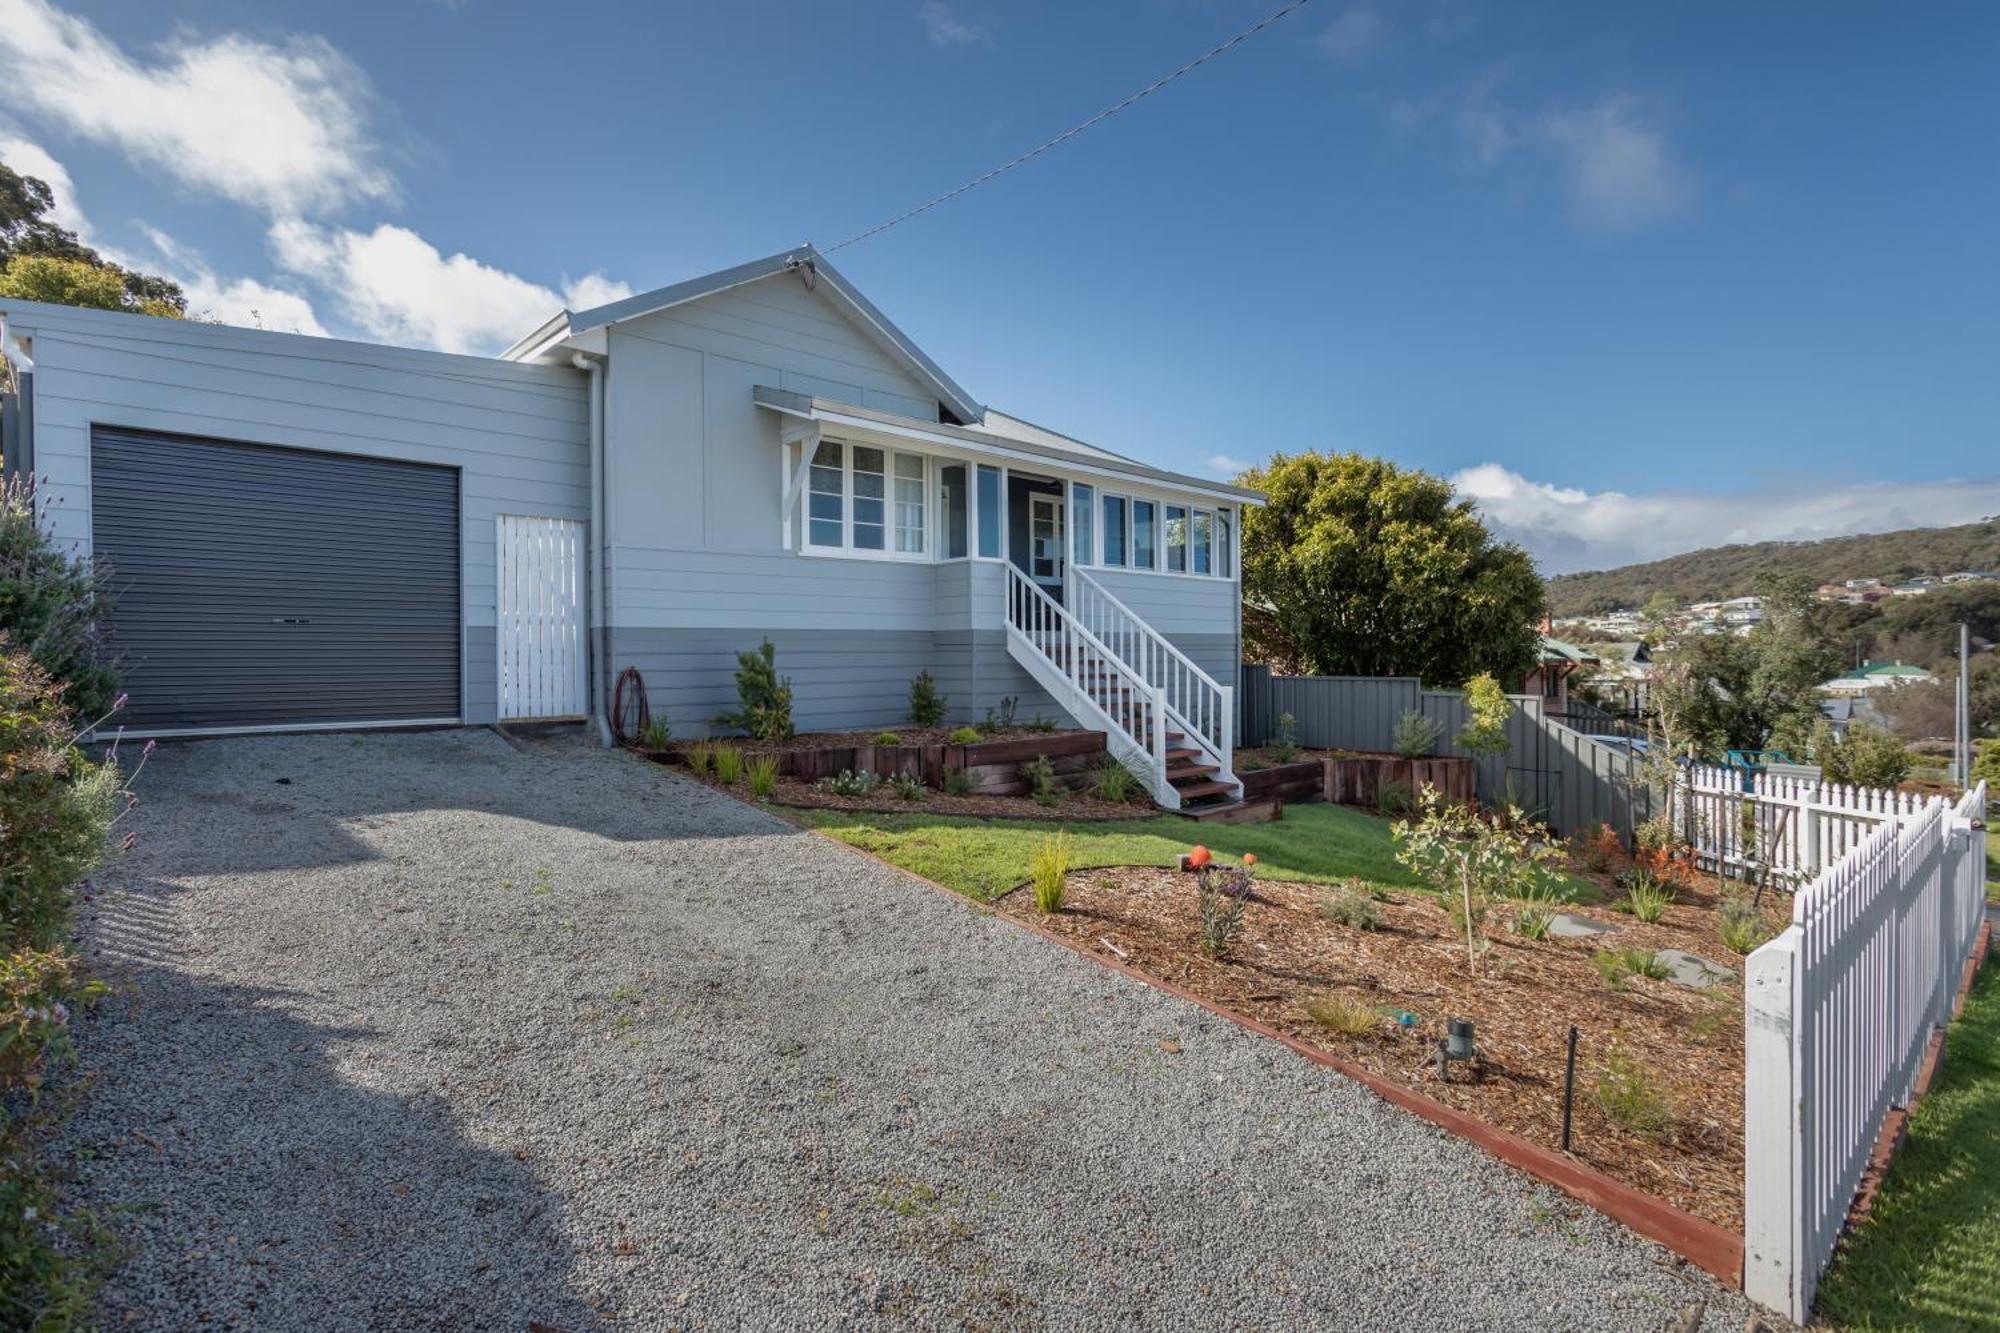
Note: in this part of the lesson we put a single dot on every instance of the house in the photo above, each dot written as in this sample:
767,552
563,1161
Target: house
1875,677
1556,661
307,533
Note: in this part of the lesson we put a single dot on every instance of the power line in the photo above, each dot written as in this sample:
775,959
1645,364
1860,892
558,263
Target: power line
1072,132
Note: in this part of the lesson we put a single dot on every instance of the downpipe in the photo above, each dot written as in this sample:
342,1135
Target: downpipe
599,512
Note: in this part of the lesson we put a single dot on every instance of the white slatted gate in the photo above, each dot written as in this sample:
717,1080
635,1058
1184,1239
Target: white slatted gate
541,617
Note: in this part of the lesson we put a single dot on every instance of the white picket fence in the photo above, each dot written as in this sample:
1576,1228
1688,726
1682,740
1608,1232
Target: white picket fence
1838,1011
1796,827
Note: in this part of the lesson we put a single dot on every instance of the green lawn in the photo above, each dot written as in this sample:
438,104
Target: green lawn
983,858
1930,1259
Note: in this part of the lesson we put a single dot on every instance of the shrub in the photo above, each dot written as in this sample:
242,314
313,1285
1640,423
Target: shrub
1115,782
1000,719
1415,736
957,782
699,756
927,706
849,783
1285,739
765,700
1040,776
1600,849
1469,860
51,603
1647,898
1531,921
887,738
1626,1092
1042,725
656,734
1642,962
1343,1014
1868,757
1345,908
1222,893
1488,710
907,788
1393,797
764,776
1740,924
728,761
965,736
1048,870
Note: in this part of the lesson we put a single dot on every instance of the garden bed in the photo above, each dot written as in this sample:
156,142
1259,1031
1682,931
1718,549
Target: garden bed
1073,805
992,763
1685,1044
1349,777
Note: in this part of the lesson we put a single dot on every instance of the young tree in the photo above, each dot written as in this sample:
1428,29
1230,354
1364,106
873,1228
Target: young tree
1869,757
1488,710
1358,567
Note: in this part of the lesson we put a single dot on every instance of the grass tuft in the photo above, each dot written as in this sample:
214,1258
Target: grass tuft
1343,1014
1048,870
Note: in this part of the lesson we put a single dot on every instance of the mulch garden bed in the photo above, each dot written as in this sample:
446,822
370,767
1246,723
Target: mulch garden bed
1074,805
1688,1043
847,740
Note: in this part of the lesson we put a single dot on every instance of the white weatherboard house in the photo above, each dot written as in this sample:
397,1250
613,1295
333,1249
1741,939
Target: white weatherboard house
306,533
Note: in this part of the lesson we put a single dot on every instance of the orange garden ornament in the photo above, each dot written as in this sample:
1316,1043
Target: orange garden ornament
1199,857
1249,858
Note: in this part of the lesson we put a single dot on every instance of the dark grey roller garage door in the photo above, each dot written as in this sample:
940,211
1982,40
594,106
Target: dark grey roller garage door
259,586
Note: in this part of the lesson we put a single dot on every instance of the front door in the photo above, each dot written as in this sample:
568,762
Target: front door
1045,539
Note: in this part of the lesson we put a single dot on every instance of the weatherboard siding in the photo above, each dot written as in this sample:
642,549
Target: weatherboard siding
518,434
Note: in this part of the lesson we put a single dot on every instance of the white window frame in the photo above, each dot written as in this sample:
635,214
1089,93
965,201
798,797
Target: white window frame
847,549
1124,561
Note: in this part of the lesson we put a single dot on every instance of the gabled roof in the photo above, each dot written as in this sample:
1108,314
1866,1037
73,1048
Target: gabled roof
815,271
1557,650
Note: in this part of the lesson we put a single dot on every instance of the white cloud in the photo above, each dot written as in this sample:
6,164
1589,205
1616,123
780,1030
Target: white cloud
1611,157
945,28
1355,34
399,287
1616,166
242,301
31,159
1225,465
282,128
1570,529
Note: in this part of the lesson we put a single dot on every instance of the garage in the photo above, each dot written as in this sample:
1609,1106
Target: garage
258,586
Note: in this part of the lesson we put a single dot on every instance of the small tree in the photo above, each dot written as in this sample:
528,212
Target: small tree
927,706
765,698
1471,860
1869,757
1488,710
1415,736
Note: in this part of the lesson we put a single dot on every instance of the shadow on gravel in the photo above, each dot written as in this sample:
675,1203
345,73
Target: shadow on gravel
253,1181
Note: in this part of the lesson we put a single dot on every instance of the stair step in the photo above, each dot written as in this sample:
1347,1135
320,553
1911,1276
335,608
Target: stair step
1181,772
1181,754
1198,790
1263,810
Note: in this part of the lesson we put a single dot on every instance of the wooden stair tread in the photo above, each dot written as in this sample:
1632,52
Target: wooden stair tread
1195,791
1260,811
1176,772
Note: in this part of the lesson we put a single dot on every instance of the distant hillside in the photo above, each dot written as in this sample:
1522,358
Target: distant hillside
1730,571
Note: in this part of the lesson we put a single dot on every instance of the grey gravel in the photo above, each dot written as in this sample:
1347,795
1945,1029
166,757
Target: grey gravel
428,1031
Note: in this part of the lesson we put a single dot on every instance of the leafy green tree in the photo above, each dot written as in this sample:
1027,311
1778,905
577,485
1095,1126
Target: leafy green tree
40,261
1358,567
1986,766
1868,757
1659,606
1792,657
1488,710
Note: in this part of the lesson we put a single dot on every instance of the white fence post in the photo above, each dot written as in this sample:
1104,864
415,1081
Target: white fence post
1774,1208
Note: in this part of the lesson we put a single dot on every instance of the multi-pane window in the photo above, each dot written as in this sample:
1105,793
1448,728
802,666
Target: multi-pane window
989,512
871,506
1199,525
910,504
828,499
1114,530
952,510
1083,503
1177,534
1145,534
1225,543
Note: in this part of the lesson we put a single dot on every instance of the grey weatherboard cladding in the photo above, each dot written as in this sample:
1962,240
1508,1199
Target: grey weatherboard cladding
260,586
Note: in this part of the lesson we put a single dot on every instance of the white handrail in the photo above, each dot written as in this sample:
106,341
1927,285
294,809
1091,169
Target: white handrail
1205,706
1092,669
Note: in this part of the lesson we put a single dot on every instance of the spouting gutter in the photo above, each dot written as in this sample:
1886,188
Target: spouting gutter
599,515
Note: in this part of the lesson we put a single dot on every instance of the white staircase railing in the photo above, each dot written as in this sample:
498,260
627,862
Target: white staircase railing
1201,706
1086,678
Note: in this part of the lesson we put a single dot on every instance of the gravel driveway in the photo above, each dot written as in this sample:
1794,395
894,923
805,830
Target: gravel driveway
430,1030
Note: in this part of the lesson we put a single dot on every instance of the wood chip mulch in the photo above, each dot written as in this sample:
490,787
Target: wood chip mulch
1075,806
1523,1001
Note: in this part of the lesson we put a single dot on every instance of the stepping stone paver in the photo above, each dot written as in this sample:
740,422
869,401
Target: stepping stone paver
1569,926
1692,970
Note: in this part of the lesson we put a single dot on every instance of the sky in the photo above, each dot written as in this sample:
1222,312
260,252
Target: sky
1637,278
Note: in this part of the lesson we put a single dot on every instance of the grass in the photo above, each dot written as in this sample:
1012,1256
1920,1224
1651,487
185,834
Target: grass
1930,1257
984,858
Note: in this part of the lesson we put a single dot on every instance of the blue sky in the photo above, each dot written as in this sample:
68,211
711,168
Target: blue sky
1640,278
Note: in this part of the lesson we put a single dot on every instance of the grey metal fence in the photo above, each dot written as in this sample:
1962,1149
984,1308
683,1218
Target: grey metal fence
1570,780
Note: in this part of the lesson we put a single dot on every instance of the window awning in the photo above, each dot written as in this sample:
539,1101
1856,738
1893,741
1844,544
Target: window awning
870,425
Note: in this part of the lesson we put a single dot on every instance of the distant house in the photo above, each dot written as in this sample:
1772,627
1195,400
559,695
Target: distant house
1556,663
1874,678
1973,576
1914,587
